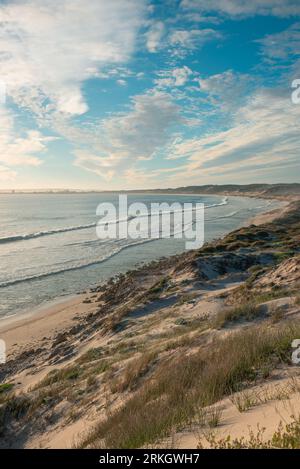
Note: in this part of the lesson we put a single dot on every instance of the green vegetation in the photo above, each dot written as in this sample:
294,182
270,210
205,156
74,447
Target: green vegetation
6,387
286,437
247,312
159,286
133,372
91,355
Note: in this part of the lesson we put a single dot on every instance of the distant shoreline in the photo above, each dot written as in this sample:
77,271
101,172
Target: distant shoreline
264,190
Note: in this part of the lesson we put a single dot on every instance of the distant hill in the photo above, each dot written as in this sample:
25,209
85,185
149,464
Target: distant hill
263,190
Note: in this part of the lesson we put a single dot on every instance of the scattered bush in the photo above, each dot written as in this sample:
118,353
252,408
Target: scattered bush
247,312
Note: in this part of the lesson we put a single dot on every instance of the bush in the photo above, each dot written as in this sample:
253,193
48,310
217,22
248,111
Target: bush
247,312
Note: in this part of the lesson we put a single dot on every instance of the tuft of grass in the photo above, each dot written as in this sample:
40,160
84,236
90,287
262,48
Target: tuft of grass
187,298
134,371
6,387
285,437
277,314
244,400
213,417
91,355
159,286
247,312
282,256
62,375
297,300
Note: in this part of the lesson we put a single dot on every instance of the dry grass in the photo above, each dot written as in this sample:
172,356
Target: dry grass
183,384
285,437
245,400
134,372
246,312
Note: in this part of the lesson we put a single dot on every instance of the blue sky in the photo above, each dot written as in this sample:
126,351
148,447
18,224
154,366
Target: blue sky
133,94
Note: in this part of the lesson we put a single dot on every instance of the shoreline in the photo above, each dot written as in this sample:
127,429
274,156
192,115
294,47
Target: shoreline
56,313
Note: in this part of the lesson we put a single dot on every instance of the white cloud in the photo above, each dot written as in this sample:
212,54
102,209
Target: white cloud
176,77
154,36
226,90
237,8
16,150
7,174
284,45
127,138
181,75
48,48
122,82
182,40
265,134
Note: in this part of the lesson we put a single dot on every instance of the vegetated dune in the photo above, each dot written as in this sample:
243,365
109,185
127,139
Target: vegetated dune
279,191
183,352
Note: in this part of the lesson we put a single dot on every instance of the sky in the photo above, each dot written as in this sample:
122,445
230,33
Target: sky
134,94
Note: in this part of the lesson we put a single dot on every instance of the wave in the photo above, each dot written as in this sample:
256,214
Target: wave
38,234
224,202
24,237
229,215
75,267
89,264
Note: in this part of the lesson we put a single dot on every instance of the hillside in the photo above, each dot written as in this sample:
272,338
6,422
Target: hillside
278,191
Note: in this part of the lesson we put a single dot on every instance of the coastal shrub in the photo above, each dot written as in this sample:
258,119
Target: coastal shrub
282,256
56,376
244,400
14,407
159,286
91,355
133,372
277,314
247,312
285,437
244,294
6,387
182,384
297,300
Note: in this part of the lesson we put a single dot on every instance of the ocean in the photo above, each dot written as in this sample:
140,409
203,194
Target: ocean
49,247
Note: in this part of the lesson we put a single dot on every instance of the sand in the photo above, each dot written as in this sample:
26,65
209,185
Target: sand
42,322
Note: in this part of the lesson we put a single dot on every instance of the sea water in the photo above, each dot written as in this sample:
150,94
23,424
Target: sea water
49,247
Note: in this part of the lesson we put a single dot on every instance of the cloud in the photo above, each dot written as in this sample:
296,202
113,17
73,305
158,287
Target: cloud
242,8
179,42
122,82
182,41
226,90
17,150
48,49
124,139
7,174
176,77
282,46
265,133
154,36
